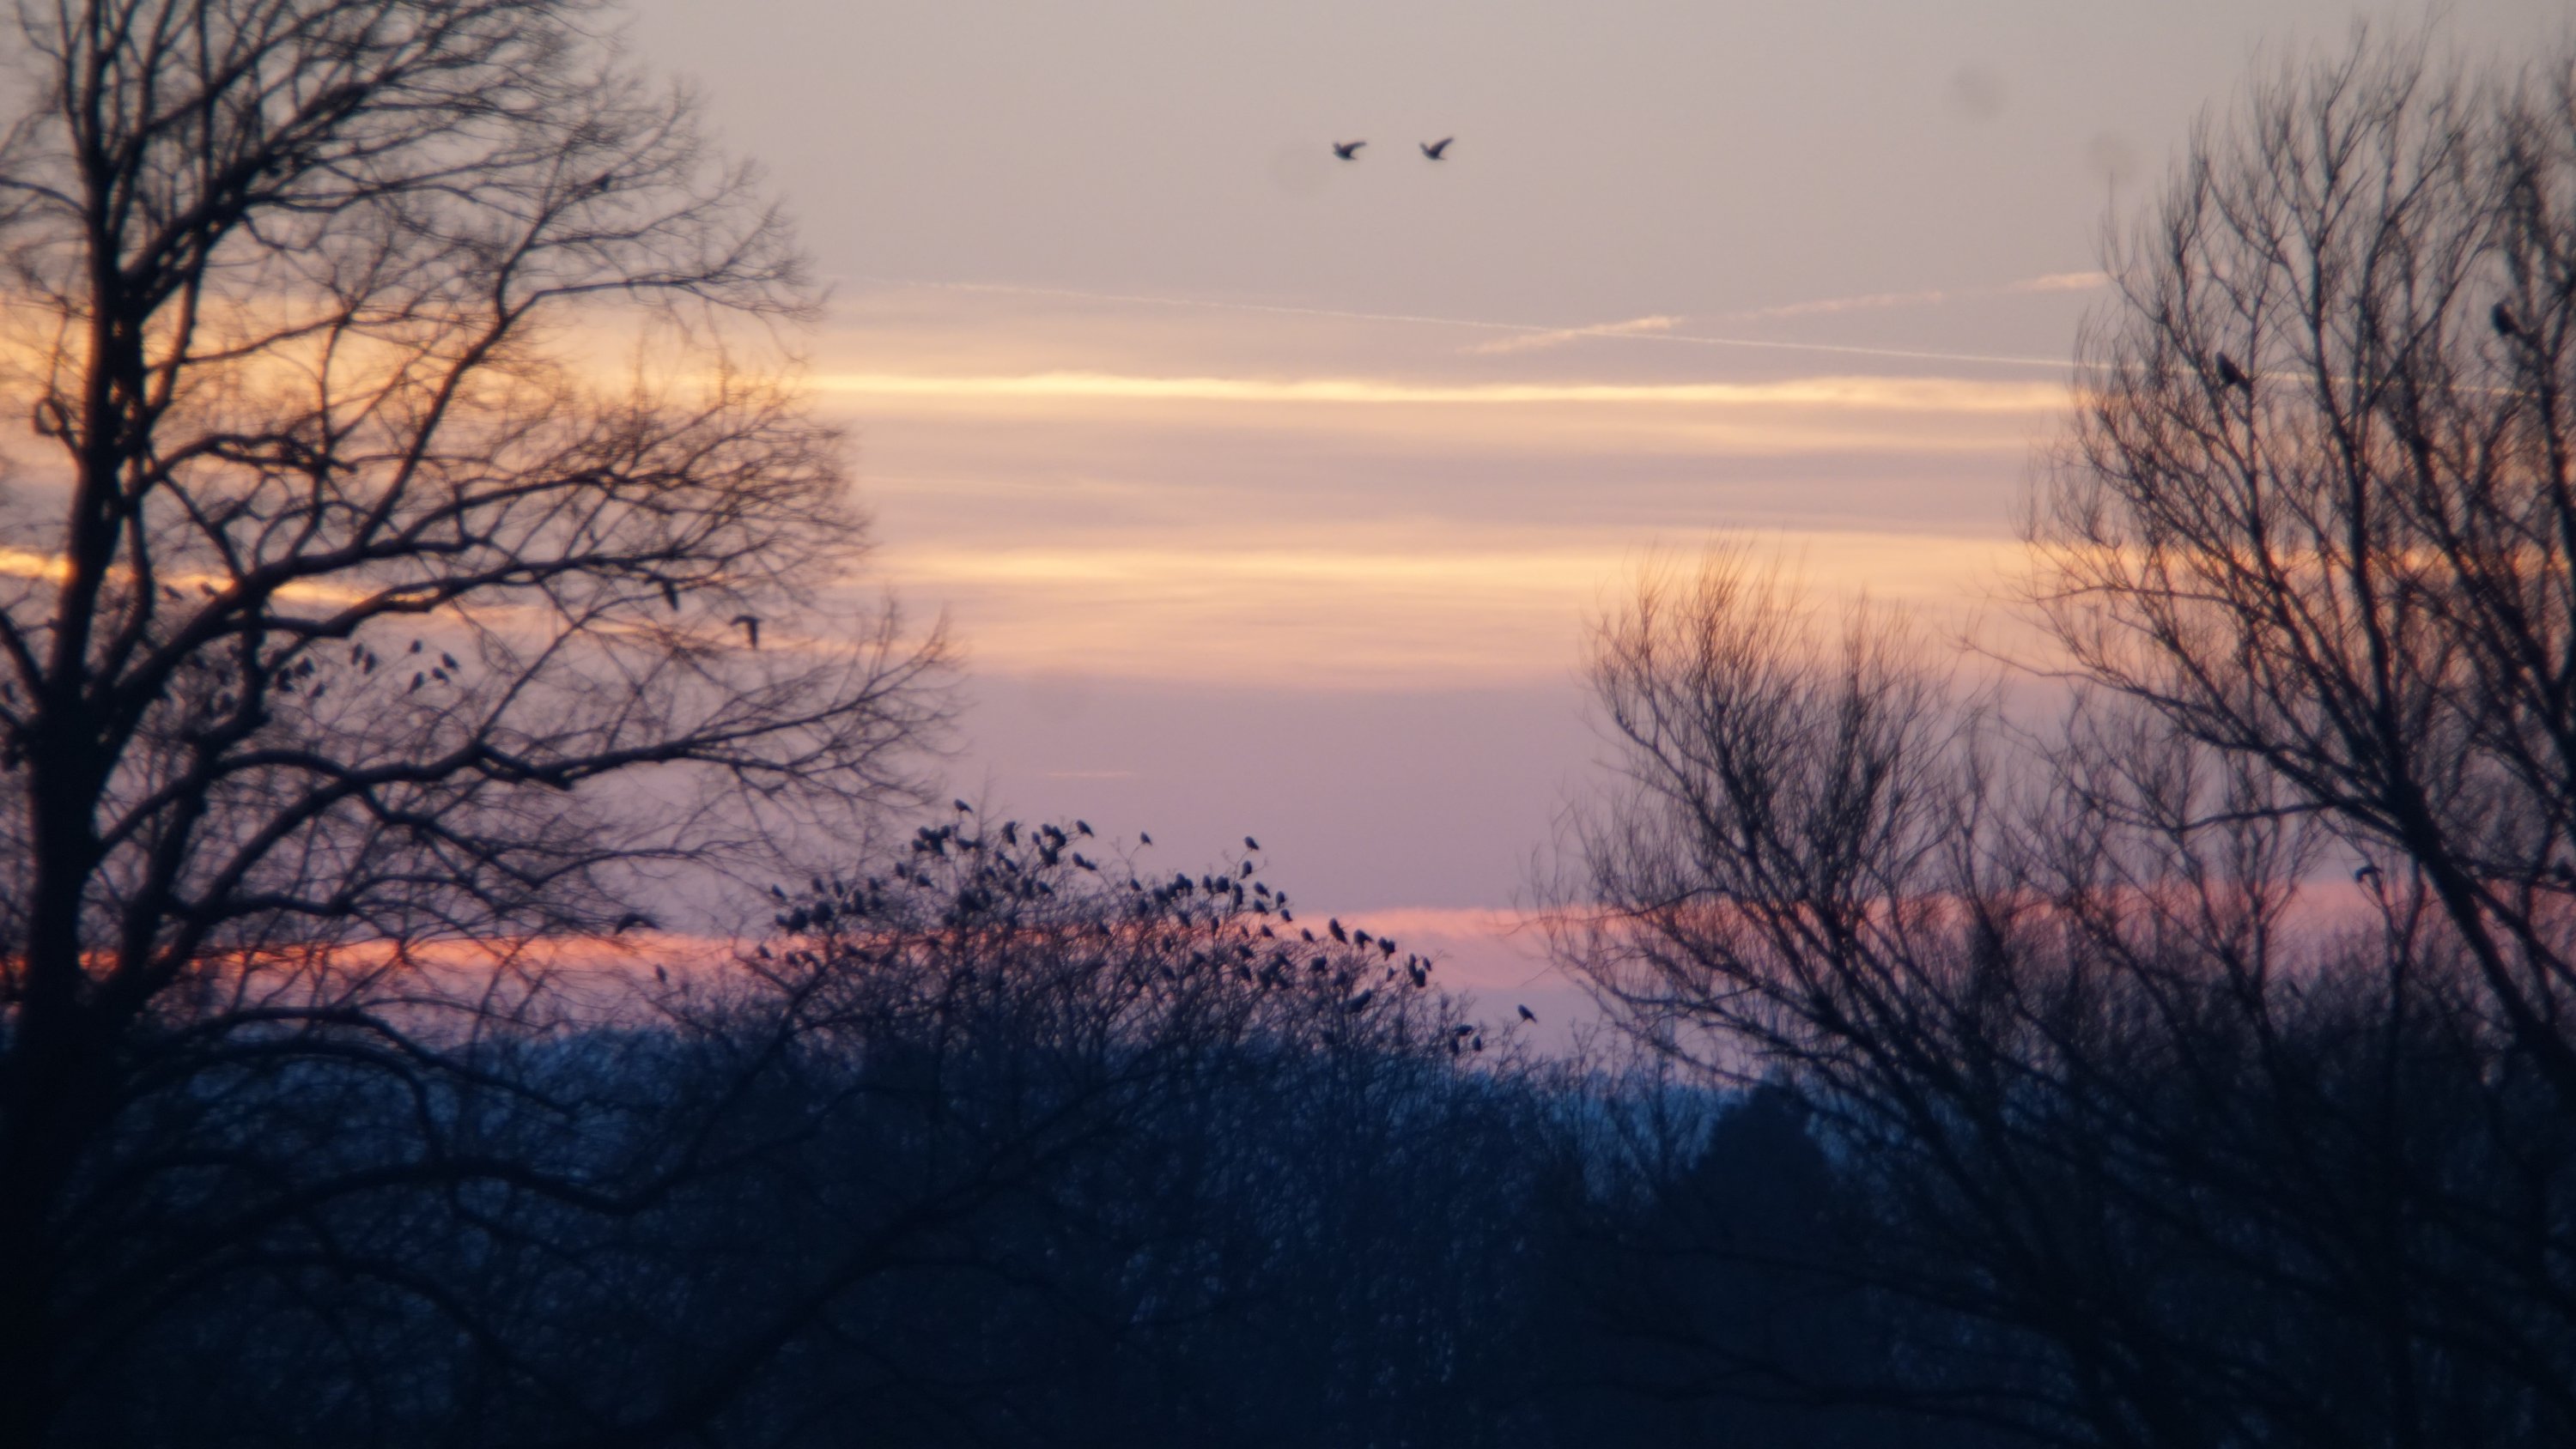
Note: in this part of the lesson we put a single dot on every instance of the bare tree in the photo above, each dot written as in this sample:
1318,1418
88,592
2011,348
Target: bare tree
2309,553
1011,1102
2317,509
355,597
2168,1133
2155,1158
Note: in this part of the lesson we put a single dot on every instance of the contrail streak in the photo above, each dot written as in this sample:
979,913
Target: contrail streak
1525,329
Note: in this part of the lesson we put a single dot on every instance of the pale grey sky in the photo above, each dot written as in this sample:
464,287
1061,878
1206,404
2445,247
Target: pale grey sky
1252,507
1616,157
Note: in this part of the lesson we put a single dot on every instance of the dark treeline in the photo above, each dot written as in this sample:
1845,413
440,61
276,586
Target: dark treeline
2192,1068
997,1148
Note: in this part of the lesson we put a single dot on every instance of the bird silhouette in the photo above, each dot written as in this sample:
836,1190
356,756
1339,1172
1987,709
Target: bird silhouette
2367,875
1528,1015
962,807
2230,375
750,626
1144,837
1251,844
1335,926
2502,317
1348,150
1433,149
671,596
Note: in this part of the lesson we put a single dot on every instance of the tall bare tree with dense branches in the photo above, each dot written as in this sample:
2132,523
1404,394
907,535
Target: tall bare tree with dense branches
2180,1136
351,600
2319,506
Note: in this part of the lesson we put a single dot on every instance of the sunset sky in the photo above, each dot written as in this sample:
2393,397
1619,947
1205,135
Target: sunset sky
1270,493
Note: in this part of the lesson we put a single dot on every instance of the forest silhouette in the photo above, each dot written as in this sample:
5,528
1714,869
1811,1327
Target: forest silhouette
2188,1067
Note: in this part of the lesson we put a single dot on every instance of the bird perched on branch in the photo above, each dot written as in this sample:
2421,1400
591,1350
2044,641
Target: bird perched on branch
1433,149
1348,150
749,624
2501,316
2230,375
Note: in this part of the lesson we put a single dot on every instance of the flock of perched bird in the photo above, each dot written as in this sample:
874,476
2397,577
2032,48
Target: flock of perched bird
1350,150
1241,923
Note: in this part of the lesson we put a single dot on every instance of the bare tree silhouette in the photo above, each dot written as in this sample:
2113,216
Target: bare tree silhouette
349,602
2363,577
2167,1156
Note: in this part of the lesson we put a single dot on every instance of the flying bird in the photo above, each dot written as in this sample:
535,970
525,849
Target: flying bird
1348,150
2230,375
2502,317
1433,149
749,624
